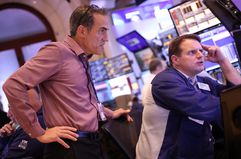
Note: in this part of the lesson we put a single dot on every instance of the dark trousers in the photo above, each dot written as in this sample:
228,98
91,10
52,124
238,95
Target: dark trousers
83,148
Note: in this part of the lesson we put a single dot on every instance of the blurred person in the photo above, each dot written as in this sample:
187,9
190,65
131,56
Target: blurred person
14,142
3,115
148,145
70,105
3,118
190,103
135,103
1,105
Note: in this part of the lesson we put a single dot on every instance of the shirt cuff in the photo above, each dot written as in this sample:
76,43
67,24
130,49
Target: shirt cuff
35,130
108,113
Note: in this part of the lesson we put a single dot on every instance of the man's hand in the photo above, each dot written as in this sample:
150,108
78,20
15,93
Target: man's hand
214,54
122,112
56,134
7,129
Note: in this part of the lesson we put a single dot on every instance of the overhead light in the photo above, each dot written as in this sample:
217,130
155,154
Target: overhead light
108,4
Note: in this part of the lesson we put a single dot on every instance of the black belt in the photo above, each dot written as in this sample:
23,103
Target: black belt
89,135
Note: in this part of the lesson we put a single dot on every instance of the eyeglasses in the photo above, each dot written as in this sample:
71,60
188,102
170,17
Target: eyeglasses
91,7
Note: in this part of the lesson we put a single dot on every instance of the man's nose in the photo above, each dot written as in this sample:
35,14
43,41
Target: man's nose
105,37
199,54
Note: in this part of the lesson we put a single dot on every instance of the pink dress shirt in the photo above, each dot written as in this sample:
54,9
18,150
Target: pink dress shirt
64,90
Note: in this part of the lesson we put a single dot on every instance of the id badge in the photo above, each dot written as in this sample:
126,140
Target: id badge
101,112
203,86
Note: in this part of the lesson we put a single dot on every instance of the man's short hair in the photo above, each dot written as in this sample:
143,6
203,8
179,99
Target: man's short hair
154,64
83,15
174,47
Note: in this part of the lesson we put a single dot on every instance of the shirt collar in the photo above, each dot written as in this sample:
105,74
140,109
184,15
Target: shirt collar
192,78
73,45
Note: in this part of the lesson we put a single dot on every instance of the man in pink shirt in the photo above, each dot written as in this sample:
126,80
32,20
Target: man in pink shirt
71,108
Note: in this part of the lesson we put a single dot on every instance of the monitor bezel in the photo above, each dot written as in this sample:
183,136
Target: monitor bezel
182,3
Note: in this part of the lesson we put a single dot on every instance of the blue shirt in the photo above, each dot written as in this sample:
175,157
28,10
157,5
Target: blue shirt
185,138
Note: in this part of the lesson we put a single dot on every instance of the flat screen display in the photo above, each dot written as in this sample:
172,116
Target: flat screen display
226,12
103,90
119,86
192,16
221,37
98,70
237,3
117,66
109,89
133,41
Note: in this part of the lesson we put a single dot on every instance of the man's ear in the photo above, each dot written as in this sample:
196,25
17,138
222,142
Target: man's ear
175,59
81,31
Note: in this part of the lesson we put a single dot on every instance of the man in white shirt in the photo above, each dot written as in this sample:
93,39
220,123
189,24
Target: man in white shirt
147,146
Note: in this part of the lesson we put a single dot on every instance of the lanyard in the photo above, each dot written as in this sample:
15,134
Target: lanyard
85,63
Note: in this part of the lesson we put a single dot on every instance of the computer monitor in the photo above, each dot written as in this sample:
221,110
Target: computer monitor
119,86
98,70
192,16
118,66
231,113
103,90
221,37
237,3
133,41
226,12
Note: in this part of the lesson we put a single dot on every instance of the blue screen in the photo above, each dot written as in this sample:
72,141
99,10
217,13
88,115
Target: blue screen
219,36
98,70
133,41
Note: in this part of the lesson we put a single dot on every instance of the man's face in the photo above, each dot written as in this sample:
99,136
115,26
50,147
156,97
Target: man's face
191,59
97,36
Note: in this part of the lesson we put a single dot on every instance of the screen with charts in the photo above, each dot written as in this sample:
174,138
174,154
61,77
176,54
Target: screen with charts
192,16
133,41
103,90
109,89
226,12
98,70
117,66
219,36
119,86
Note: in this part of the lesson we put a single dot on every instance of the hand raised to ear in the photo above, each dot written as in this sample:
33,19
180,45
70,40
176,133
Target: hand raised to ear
214,53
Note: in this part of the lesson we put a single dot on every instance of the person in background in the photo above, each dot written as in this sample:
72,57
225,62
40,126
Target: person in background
136,103
3,118
191,103
1,105
3,115
70,105
148,145
14,142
